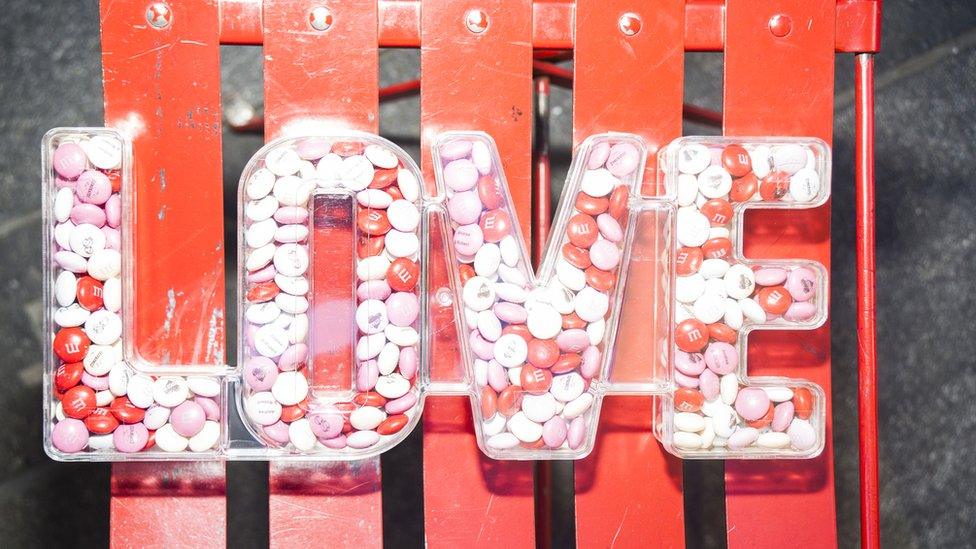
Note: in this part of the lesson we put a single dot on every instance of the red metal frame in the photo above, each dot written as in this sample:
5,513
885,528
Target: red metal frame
629,487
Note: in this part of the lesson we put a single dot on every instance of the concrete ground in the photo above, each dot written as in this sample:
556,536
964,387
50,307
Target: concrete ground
926,284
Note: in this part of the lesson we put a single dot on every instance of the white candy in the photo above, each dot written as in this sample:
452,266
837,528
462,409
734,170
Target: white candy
724,418
207,437
708,433
714,268
714,182
372,268
409,187
204,386
693,158
719,232
567,387
71,316
570,276
740,281
595,331
760,159
524,428
103,327
62,234
103,151
789,158
156,417
539,408
487,260
689,288
366,418
515,376
494,426
291,259
290,388
804,185
509,250
169,440
99,359
578,406
501,441
480,372
294,285
374,198
404,336
752,310
263,408
489,325
104,398
170,391
112,294
511,350
101,442
298,329
64,199
512,275
260,233
260,183
371,316
590,304
270,340
598,183
686,440
709,308
259,258
381,157
86,239
733,314
687,189
262,313
259,210
403,215
692,227
140,390
386,361
401,244
478,293
282,161
506,291
729,388
778,394
370,346
392,386
327,170
356,172
687,421
773,440
118,379
481,157
105,264
544,321
301,435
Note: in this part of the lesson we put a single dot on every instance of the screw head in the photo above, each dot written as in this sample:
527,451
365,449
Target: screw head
629,24
159,15
476,21
320,18
780,25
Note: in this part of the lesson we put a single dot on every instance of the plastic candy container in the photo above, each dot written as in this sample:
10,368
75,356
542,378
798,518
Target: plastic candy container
536,344
715,409
100,406
330,270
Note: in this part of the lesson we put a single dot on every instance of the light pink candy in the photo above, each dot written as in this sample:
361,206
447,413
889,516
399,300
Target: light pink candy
770,276
373,289
293,357
598,155
461,175
468,239
97,383
751,403
87,213
743,437
604,255
130,438
402,308
482,348
408,362
278,432
464,207
512,313
577,432
113,238
69,160
691,364
288,215
609,228
70,435
313,149
260,373
366,375
497,377
685,380
800,311
326,423
554,432
337,443
210,407
802,284
452,150
93,187
572,341
721,357
590,365
402,404
622,159
782,416
263,274
710,384
188,418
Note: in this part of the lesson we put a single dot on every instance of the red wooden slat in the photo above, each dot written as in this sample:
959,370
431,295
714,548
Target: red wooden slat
475,81
314,81
783,503
628,492
163,87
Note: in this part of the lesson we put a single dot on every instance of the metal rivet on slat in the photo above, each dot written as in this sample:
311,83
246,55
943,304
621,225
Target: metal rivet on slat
159,15
320,18
780,25
629,24
476,21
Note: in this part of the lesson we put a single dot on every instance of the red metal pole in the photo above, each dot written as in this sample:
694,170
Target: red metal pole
867,367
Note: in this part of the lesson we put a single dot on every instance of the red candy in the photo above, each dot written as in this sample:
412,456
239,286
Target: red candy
89,293
368,246
543,353
582,230
495,225
618,202
125,411
489,402
535,380
265,291
490,193
68,375
744,188
373,222
591,205
721,332
688,260
718,211
369,398
736,160
383,178
691,335
567,363
688,400
803,403
101,421
71,344
403,274
717,248
600,279
392,424
774,300
576,256
774,186
510,400
78,402
348,148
